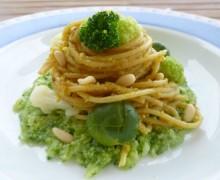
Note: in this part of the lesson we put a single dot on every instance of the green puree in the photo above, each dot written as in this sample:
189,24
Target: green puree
36,129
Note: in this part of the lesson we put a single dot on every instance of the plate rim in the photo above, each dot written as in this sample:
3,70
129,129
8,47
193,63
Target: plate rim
212,25
24,20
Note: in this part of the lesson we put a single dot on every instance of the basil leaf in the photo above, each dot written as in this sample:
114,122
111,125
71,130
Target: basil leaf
114,123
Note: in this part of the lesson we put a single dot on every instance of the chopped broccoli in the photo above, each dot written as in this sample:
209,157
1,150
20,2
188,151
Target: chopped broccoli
106,29
156,142
84,149
185,90
100,31
163,139
173,70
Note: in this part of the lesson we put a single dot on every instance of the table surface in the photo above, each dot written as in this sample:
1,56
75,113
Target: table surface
13,8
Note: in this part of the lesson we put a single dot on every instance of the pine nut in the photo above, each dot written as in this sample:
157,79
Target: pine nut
87,80
60,57
62,135
159,76
126,80
189,113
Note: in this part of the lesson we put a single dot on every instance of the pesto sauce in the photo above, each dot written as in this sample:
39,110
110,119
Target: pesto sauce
36,129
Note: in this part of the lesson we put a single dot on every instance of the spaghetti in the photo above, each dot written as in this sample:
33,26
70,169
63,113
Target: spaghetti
149,95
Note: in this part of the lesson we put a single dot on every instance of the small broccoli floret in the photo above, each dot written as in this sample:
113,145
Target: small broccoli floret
128,29
100,31
173,70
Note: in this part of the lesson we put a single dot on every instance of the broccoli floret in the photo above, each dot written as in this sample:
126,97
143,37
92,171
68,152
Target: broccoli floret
128,29
100,31
173,70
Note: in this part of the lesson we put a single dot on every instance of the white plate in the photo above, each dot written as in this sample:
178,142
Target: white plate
197,158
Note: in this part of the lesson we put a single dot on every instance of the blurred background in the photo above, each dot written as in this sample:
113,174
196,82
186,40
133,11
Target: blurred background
12,8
